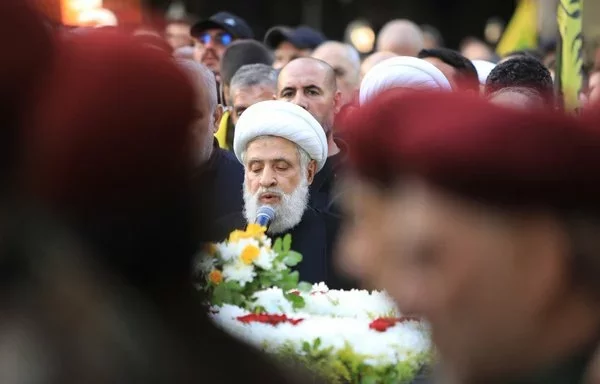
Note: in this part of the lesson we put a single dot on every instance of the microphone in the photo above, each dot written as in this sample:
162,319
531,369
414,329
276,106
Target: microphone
265,215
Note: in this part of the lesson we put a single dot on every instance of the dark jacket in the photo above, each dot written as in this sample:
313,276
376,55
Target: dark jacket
314,237
322,189
220,183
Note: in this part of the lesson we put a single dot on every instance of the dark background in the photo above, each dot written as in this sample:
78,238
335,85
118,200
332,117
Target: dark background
456,19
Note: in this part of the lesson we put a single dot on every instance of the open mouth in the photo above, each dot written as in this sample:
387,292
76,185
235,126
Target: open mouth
269,198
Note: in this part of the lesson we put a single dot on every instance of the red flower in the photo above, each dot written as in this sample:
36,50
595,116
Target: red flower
267,319
382,324
295,292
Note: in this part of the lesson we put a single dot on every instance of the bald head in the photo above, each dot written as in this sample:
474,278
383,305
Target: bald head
310,65
345,61
403,37
373,60
311,84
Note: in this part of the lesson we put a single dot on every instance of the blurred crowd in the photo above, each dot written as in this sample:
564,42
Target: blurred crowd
452,179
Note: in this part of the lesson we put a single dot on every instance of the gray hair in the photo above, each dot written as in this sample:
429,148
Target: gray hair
304,157
202,78
252,75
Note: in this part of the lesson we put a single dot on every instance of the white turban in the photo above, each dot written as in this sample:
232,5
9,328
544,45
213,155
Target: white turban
483,69
282,119
402,72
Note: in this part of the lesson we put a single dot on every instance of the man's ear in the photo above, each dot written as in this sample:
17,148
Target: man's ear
311,171
217,115
337,102
225,97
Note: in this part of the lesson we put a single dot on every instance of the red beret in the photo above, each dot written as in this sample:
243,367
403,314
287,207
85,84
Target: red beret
466,145
112,129
26,44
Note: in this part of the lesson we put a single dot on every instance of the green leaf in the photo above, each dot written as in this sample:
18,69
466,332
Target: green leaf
232,285
304,287
306,347
296,300
292,259
317,343
287,242
277,247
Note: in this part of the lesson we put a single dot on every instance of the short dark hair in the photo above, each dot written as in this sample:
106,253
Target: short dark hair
523,72
467,73
240,53
534,53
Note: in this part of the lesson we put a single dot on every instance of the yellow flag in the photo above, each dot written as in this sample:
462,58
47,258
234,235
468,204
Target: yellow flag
521,32
570,70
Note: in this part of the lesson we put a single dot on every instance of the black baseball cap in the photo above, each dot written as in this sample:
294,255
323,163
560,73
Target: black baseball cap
232,24
302,37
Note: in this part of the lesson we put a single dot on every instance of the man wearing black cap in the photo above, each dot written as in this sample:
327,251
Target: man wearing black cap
292,43
213,35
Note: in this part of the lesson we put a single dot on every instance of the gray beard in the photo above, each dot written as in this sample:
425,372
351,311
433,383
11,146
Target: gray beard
289,211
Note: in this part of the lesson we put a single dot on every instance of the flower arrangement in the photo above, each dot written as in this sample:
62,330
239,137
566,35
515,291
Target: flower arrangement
372,344
246,263
344,336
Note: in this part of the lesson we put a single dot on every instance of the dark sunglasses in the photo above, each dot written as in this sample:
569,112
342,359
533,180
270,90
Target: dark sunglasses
222,38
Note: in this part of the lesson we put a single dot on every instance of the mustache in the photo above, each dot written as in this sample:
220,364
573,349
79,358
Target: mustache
272,191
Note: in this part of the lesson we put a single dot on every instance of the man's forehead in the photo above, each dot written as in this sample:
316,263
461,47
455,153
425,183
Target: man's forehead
270,146
301,78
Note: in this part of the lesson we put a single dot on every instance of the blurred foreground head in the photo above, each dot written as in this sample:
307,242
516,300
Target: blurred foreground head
25,60
110,150
498,249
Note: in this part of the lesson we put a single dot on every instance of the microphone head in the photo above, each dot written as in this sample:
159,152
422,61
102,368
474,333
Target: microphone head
265,215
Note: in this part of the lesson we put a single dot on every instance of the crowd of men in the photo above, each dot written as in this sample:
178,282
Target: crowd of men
327,79
452,180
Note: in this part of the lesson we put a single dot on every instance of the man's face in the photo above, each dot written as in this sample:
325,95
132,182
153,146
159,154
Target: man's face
178,35
449,71
594,86
210,46
243,98
304,83
204,124
518,100
287,52
474,274
274,176
346,74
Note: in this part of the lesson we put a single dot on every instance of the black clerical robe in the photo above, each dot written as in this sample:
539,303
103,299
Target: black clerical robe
314,237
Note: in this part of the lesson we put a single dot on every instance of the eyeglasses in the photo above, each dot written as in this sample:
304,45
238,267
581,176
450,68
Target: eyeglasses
222,38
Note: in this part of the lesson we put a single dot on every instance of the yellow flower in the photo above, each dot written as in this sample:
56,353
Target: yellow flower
215,276
249,254
210,249
255,230
252,231
236,236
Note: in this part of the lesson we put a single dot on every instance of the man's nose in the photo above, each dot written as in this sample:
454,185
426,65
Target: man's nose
300,101
210,43
267,178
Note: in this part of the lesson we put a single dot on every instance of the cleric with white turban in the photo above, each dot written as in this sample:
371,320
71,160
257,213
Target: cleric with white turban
483,69
282,147
282,119
402,72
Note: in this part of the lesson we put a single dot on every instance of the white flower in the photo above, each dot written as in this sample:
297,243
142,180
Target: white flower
240,272
273,301
404,342
226,251
265,259
239,246
205,263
